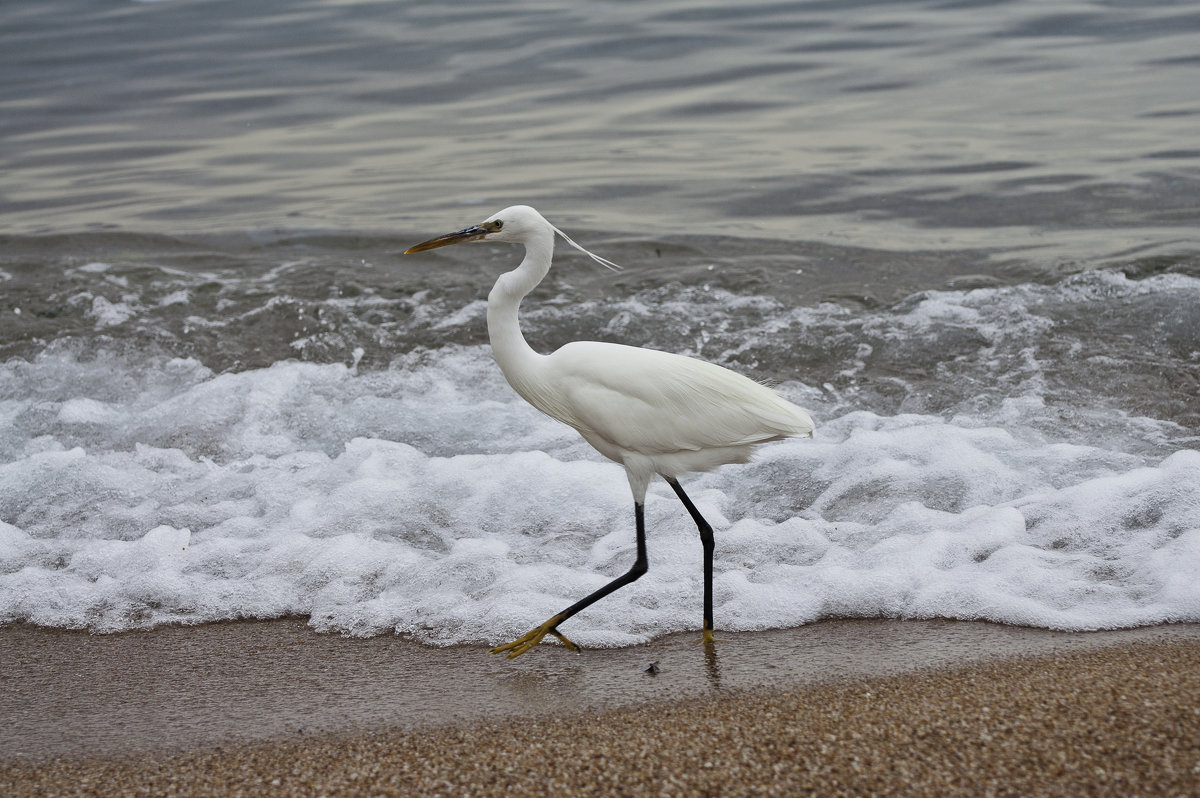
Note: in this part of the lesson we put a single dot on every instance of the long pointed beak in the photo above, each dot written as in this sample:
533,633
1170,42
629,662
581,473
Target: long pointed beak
466,234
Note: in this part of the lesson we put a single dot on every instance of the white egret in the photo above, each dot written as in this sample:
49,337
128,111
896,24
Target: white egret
653,412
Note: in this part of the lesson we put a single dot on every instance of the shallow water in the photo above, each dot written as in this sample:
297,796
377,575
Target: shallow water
964,235
234,683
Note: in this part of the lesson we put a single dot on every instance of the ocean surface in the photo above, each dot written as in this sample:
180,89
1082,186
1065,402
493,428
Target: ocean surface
965,235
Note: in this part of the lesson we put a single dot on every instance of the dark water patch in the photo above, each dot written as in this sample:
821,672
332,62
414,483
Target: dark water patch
718,12
1173,154
1185,61
1124,24
718,108
1173,112
1044,180
849,45
1056,25
867,88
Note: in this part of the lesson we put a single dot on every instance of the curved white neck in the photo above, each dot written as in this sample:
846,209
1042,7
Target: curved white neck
515,357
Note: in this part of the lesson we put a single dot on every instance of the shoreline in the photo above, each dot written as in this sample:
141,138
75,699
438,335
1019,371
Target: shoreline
69,692
1106,717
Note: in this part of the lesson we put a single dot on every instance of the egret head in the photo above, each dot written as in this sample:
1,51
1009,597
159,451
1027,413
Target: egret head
518,224
514,224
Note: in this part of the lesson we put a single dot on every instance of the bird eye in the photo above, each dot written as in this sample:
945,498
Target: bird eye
497,224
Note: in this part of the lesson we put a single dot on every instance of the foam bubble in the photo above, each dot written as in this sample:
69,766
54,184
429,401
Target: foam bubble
110,314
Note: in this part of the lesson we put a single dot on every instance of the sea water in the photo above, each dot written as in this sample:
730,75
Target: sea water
962,235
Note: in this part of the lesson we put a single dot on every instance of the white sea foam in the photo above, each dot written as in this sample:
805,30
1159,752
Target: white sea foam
427,499
110,314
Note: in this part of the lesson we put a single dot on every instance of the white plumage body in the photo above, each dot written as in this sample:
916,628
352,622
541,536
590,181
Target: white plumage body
657,412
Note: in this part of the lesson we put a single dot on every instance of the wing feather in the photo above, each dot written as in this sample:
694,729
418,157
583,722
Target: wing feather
654,403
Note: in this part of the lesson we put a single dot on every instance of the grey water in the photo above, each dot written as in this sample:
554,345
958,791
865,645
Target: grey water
853,153
809,151
985,213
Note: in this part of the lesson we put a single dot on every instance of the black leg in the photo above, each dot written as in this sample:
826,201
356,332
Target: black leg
642,564
709,544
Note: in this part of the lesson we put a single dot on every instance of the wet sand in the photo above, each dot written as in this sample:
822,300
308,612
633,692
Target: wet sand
850,706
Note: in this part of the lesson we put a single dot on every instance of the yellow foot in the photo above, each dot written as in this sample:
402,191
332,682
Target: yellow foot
534,636
707,638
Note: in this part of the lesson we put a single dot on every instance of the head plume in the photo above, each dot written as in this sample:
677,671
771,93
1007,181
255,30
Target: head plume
605,262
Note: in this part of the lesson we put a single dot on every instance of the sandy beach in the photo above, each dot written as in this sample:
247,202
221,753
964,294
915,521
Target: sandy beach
849,707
